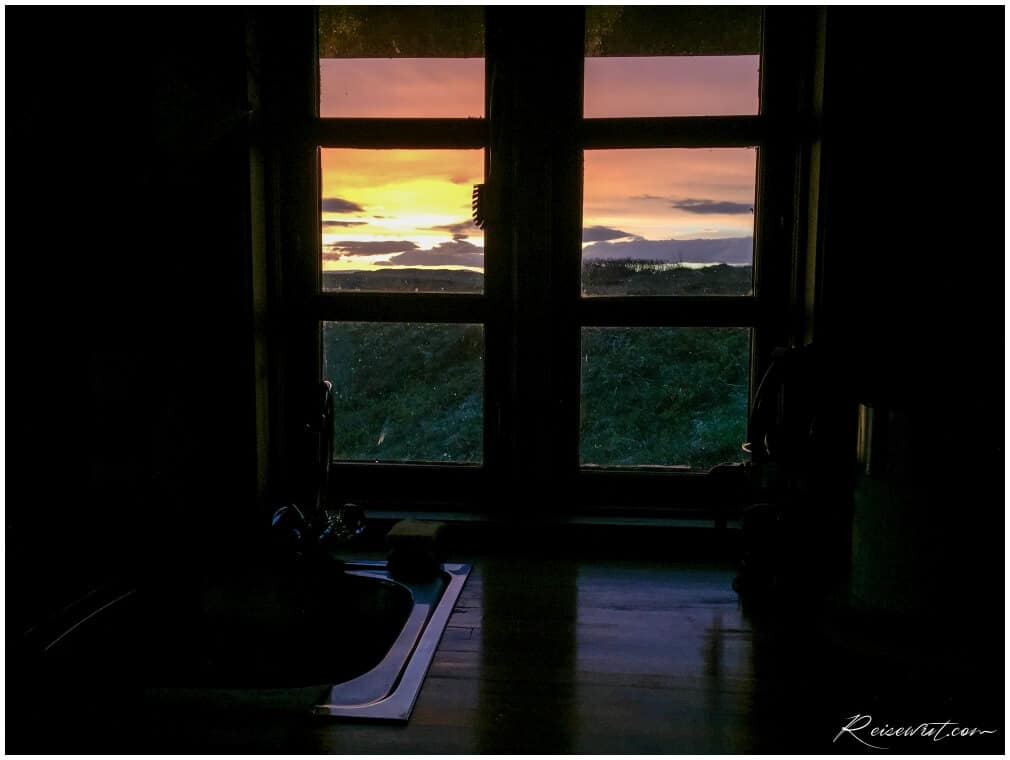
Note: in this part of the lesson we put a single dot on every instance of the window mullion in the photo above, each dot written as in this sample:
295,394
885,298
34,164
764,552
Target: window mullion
400,133
785,94
673,132
535,106
395,307
671,311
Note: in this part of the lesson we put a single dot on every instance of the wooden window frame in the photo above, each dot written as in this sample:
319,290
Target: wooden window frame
532,308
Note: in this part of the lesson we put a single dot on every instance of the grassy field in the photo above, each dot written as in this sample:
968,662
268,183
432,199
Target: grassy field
406,392
650,396
663,396
620,277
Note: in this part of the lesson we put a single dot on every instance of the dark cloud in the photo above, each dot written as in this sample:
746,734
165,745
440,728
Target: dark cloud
597,234
458,230
702,251
453,252
332,223
700,205
340,206
705,206
370,247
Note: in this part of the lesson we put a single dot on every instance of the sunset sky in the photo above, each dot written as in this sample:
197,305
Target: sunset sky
396,208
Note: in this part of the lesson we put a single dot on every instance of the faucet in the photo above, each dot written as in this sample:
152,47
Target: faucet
300,531
341,525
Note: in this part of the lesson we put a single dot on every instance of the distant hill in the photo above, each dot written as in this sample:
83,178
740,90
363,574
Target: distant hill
701,251
407,281
600,277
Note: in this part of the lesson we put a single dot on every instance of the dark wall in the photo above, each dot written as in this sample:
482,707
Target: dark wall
914,114
914,290
128,258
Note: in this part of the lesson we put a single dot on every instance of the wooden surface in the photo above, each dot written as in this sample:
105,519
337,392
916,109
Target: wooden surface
566,656
560,656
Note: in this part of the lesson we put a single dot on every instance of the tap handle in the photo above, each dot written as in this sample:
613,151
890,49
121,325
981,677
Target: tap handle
289,530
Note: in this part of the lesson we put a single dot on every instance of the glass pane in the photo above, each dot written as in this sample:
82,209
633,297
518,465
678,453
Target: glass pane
672,61
406,392
400,220
668,221
397,62
428,88
673,396
668,86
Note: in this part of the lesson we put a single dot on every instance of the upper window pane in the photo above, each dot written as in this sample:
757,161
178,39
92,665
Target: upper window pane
401,62
400,220
671,61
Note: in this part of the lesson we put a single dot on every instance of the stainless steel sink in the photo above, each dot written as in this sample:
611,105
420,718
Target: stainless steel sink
388,691
346,641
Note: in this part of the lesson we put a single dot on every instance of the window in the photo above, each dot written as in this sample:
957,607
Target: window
602,332
672,220
396,223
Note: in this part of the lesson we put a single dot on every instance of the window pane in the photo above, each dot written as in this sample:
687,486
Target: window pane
671,61
395,62
406,392
668,86
401,87
400,220
663,396
668,221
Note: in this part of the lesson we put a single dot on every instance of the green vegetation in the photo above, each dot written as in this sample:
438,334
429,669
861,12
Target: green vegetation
621,277
406,392
650,396
407,281
663,395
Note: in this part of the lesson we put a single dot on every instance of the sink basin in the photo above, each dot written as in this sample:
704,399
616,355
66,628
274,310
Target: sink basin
349,642
388,690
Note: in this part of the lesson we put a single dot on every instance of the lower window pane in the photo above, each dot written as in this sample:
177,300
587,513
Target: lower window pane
406,392
664,395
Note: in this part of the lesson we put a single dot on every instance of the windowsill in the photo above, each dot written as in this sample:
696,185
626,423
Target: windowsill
663,539
554,520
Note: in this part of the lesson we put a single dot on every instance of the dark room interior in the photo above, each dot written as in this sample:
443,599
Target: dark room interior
831,585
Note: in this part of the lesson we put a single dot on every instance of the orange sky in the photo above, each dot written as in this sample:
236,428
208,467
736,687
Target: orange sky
412,208
409,200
